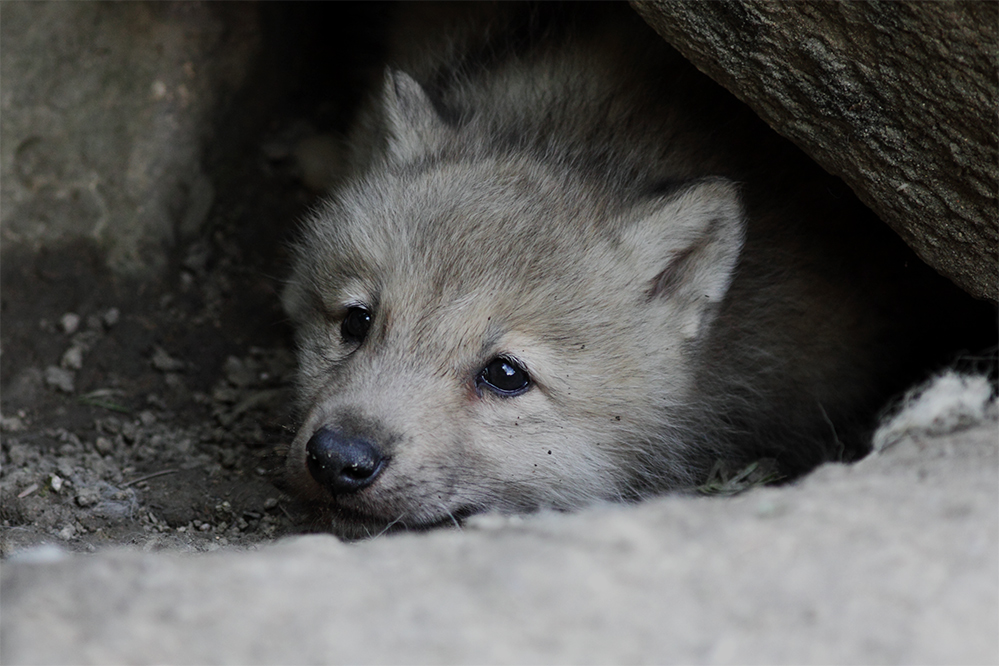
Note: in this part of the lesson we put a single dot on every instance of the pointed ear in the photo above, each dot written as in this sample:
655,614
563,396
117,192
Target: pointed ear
410,118
686,247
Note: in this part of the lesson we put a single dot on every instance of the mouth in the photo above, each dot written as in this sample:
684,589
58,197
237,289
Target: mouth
357,524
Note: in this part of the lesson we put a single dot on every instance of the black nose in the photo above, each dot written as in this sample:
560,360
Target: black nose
340,463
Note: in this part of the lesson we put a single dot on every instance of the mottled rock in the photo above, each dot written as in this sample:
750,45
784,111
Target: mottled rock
106,110
60,378
897,98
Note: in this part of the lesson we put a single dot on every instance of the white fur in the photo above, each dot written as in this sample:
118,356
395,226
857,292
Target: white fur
947,403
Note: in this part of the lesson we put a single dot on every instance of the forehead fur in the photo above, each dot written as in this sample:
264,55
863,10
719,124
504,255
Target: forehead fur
457,228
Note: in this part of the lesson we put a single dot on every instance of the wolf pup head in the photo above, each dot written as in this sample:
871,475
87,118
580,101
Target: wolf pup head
484,325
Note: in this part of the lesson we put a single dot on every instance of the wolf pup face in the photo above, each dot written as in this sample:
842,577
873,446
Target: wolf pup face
481,330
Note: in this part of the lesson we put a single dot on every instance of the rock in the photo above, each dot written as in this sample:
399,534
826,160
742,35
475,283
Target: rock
892,560
70,322
60,378
106,108
88,497
72,359
111,317
163,362
898,99
104,446
11,424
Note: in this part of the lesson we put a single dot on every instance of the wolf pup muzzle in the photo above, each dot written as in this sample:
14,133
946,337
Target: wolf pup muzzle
343,464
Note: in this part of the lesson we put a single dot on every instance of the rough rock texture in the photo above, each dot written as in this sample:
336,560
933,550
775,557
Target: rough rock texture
107,108
892,560
898,99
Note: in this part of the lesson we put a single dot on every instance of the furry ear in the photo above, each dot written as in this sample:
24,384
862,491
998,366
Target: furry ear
687,248
410,118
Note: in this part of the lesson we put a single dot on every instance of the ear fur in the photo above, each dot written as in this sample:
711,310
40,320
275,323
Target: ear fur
410,118
687,248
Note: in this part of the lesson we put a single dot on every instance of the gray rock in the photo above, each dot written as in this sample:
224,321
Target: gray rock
105,110
896,98
60,378
70,322
72,358
892,560
111,317
163,362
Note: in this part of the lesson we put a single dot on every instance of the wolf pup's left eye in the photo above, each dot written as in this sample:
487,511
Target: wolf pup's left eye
504,377
356,324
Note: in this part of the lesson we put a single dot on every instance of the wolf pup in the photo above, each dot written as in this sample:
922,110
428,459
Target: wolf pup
571,269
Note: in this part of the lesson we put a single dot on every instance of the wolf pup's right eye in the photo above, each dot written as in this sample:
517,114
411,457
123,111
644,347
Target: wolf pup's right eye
504,377
356,324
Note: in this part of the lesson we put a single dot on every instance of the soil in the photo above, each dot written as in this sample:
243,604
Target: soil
154,415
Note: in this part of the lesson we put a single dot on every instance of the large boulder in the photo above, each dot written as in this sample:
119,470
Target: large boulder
107,109
897,98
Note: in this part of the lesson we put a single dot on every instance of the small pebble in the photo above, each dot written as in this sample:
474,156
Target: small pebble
111,317
56,482
104,446
70,323
87,497
11,423
270,503
72,359
158,89
60,378
163,362
130,431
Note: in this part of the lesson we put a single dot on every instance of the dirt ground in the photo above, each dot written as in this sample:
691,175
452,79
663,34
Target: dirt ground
153,414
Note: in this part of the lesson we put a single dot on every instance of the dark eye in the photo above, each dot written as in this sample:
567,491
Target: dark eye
356,324
504,376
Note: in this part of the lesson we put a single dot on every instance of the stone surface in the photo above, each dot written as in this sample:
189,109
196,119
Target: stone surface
892,560
897,98
106,111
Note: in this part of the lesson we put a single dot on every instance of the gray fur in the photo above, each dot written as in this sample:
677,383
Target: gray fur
583,202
